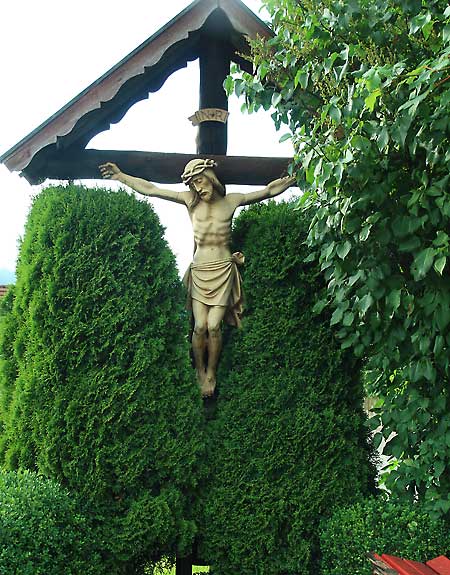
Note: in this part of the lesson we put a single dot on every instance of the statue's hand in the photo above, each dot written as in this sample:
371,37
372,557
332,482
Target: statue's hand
278,186
110,171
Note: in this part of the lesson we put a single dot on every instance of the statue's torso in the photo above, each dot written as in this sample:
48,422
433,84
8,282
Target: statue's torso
211,223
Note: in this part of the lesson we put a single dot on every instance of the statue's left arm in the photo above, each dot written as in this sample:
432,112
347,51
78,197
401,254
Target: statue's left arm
273,189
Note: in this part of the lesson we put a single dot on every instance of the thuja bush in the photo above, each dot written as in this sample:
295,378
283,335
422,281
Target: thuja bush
288,441
41,529
8,363
98,392
377,525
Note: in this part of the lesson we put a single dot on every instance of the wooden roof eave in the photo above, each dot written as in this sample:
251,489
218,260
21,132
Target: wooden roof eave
106,88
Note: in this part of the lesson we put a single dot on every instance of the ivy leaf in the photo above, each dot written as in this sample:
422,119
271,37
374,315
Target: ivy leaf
442,239
349,341
285,137
301,78
371,99
410,244
400,128
373,79
393,299
312,256
328,62
342,250
395,447
276,99
419,22
412,103
442,317
335,114
320,305
354,278
337,316
383,139
307,159
365,302
438,345
439,467
228,85
439,264
263,68
348,318
364,233
238,87
377,440
446,33
361,143
422,263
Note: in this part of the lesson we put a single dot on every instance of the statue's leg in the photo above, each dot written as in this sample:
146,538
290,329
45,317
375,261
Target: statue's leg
200,312
215,317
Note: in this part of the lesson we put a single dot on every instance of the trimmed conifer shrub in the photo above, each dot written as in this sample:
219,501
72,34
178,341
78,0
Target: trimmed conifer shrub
42,530
378,525
8,362
288,441
99,393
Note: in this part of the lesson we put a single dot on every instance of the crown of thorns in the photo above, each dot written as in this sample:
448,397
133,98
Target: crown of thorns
196,167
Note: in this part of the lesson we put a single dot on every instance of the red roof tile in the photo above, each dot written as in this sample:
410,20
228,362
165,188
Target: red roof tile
3,290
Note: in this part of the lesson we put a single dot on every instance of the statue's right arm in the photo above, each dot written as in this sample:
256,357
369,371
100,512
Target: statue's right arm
112,172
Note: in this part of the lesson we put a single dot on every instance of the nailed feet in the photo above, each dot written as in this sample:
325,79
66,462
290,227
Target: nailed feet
207,383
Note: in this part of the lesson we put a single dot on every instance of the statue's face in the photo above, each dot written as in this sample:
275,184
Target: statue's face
203,186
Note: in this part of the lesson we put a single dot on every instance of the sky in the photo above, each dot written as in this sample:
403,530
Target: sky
51,51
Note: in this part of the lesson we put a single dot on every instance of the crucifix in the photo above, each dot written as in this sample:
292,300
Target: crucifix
213,280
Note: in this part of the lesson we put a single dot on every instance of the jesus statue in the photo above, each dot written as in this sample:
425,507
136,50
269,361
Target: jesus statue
213,280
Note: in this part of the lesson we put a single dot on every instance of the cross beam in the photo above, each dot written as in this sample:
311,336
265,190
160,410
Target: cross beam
162,168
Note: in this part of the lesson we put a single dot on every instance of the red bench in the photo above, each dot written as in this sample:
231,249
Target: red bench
390,565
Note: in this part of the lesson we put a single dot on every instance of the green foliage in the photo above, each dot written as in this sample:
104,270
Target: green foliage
364,89
380,526
41,529
8,363
287,441
98,391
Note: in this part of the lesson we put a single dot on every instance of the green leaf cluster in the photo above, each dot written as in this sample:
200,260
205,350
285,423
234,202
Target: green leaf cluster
363,87
287,441
42,530
378,525
97,391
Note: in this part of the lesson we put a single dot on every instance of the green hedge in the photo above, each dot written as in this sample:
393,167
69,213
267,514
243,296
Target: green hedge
288,440
41,529
380,526
98,391
8,361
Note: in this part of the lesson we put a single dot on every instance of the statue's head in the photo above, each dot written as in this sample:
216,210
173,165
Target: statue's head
203,167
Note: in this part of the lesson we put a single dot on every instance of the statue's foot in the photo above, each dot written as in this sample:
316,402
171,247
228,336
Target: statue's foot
208,385
201,375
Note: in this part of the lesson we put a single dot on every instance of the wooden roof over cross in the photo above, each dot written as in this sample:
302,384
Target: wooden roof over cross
215,32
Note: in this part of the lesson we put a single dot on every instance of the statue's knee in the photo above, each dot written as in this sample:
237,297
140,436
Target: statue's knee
214,329
200,329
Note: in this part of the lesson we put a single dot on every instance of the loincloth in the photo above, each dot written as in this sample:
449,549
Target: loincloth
217,283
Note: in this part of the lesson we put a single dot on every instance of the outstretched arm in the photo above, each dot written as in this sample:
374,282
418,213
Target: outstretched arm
270,191
112,172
